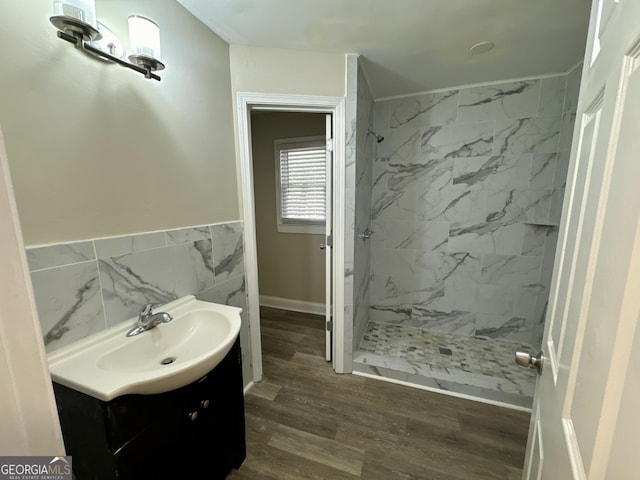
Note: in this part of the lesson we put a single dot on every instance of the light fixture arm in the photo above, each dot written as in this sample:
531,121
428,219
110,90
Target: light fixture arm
78,41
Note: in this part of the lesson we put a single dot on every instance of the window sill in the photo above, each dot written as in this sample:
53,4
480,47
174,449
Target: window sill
304,229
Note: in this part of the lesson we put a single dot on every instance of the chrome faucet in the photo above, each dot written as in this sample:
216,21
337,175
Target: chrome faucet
148,320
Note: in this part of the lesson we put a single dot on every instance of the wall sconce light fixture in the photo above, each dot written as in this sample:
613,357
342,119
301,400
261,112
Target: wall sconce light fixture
77,24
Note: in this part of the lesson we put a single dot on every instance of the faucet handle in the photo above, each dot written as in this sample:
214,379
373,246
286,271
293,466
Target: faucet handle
146,310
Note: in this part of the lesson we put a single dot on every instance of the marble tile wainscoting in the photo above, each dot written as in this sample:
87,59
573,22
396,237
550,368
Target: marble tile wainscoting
84,287
467,194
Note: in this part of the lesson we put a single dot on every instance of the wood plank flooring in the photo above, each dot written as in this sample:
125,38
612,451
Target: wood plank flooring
306,422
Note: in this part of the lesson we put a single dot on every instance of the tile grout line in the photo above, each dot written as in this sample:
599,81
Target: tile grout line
104,308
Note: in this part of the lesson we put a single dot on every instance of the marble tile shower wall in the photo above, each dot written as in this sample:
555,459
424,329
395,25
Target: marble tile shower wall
84,287
467,188
351,115
365,152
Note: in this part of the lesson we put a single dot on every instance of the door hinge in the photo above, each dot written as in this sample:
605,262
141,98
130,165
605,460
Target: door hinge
330,144
330,240
330,325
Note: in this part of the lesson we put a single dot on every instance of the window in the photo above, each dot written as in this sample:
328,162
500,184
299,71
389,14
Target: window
300,184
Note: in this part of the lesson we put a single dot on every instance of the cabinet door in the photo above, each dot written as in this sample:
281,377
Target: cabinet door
168,450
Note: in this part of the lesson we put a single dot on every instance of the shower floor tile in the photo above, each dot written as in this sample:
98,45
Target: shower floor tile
475,366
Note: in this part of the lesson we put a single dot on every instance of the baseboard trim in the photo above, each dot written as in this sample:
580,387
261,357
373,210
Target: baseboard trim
293,305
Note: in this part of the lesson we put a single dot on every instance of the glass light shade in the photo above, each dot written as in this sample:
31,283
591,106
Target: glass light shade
83,10
144,36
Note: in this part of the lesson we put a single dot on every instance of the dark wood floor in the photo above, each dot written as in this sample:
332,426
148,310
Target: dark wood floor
306,422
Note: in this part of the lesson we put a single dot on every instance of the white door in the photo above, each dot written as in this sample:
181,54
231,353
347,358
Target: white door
585,421
329,240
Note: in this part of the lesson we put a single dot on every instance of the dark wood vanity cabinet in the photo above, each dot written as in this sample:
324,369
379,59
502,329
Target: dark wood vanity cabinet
197,431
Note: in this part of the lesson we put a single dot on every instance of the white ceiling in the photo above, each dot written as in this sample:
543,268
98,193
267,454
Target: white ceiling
411,46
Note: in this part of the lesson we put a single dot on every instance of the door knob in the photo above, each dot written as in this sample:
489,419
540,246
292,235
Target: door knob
527,360
322,246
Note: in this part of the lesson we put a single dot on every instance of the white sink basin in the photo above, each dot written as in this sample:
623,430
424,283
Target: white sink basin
110,364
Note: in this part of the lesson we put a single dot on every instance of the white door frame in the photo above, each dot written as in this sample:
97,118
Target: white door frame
28,413
247,101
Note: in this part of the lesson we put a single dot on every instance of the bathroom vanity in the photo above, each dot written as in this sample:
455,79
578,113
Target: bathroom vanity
194,432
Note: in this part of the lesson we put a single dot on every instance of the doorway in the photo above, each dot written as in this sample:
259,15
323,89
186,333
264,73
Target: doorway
291,185
249,104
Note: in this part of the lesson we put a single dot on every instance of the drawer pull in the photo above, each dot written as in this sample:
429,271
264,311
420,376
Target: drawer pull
193,416
204,403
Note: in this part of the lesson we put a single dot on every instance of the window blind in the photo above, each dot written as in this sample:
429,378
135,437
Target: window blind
302,183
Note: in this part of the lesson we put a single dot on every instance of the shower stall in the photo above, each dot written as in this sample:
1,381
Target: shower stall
457,197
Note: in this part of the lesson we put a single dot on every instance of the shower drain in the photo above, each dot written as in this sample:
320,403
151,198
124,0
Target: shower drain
168,360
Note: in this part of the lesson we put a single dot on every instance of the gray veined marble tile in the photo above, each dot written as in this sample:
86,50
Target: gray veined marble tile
461,297
493,173
539,321
527,135
111,247
350,122
438,267
454,322
187,235
526,302
428,109
491,237
500,101
158,276
552,93
562,168
396,188
516,206
401,145
381,117
441,272
495,299
566,131
59,255
555,212
228,250
396,278
417,235
350,167
396,202
534,239
459,140
390,313
461,284
69,303
543,169
514,270
505,327
455,204
548,258
232,292
348,280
